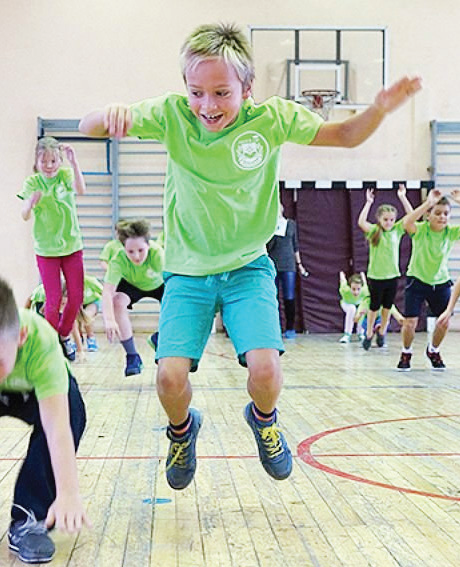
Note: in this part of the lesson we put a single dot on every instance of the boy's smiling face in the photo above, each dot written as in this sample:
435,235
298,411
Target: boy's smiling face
215,93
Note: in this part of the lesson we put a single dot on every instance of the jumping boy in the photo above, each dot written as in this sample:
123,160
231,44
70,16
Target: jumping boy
37,387
221,207
428,276
134,272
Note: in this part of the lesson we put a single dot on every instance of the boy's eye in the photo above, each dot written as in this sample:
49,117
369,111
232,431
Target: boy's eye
223,93
196,93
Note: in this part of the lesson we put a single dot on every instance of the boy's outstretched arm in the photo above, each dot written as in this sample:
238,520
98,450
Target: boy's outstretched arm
66,512
411,218
443,319
113,120
357,129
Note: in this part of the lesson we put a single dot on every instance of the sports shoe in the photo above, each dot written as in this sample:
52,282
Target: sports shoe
290,334
367,343
30,541
345,339
274,453
404,362
91,344
181,459
68,348
153,340
133,364
436,360
380,340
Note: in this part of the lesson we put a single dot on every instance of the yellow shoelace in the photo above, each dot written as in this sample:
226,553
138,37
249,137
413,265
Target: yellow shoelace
178,452
272,440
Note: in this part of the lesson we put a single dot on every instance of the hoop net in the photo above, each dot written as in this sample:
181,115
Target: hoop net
319,100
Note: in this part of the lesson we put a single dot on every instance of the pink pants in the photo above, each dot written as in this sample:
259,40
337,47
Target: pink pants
50,272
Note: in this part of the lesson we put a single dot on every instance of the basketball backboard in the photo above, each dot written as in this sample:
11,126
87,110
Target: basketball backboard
350,60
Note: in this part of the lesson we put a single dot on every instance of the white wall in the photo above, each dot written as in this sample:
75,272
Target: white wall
62,58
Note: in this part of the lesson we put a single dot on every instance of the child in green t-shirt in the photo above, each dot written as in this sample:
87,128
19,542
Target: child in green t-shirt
37,387
428,276
383,271
220,208
50,195
353,292
133,273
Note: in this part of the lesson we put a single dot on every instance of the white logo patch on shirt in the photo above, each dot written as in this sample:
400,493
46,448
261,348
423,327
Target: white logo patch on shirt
249,150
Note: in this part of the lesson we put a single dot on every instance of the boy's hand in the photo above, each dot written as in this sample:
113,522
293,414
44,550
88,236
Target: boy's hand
66,513
112,330
68,152
370,196
443,319
401,190
455,194
389,99
117,120
433,197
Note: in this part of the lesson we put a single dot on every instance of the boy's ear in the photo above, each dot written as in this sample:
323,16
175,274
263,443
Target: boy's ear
247,91
22,336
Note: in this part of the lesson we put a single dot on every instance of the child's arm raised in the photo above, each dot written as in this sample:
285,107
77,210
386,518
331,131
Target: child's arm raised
410,219
363,223
79,184
408,208
357,129
66,512
113,120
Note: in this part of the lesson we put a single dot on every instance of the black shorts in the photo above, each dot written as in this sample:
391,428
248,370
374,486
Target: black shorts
382,293
437,296
135,294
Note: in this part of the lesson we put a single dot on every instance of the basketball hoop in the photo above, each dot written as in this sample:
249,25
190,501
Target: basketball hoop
319,100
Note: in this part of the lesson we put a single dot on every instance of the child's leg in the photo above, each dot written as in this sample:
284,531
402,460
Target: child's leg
72,268
174,388
408,331
120,308
50,273
371,317
91,312
385,320
265,378
350,312
35,489
288,285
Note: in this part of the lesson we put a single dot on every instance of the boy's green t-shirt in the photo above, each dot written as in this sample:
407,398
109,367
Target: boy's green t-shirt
146,276
110,250
348,297
40,364
430,253
56,230
221,188
384,258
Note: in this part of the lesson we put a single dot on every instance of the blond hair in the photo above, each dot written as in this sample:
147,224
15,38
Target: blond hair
47,144
219,40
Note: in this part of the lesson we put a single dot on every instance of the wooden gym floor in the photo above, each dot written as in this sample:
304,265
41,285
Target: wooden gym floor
376,479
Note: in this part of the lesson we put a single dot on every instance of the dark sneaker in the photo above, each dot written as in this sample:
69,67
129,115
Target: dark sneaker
30,541
274,453
68,348
404,362
181,459
436,360
367,343
153,340
133,364
380,340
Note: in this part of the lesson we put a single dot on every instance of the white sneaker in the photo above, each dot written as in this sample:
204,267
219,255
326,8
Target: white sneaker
345,339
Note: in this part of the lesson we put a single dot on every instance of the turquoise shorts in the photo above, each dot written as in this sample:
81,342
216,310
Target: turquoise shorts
246,298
